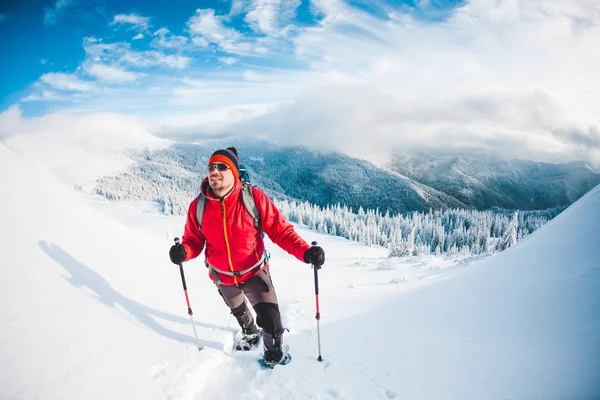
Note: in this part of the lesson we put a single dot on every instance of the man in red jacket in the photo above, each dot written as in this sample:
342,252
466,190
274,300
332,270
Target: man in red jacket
235,252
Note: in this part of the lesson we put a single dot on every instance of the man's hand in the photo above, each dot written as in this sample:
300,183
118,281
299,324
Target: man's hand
315,256
177,254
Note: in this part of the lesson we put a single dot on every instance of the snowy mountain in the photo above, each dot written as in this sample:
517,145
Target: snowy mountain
132,163
420,182
331,178
92,308
481,180
283,172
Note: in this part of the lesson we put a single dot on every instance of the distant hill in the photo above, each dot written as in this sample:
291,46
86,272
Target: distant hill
172,177
481,180
331,178
415,182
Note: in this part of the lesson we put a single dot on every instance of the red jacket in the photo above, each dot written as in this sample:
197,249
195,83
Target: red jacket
232,241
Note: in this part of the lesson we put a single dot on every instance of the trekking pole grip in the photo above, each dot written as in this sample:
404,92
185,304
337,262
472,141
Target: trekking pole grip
316,273
177,243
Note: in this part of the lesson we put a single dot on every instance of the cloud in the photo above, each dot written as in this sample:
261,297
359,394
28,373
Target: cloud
213,123
272,17
154,58
518,77
122,54
589,138
173,61
211,27
53,14
229,60
248,89
165,39
138,37
139,22
44,95
110,73
66,82
207,28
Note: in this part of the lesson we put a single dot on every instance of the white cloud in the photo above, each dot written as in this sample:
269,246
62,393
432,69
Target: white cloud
122,54
98,50
164,38
110,74
211,26
161,32
45,95
206,94
238,7
519,78
229,60
138,36
212,122
516,76
205,28
272,17
154,58
138,21
200,41
53,14
67,82
173,61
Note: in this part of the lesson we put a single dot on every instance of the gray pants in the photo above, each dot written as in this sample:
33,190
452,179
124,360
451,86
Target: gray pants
261,294
258,289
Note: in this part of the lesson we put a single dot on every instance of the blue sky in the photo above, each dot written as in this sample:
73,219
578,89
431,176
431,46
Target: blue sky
63,51
519,77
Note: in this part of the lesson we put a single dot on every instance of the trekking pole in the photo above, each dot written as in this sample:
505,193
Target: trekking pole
318,315
187,299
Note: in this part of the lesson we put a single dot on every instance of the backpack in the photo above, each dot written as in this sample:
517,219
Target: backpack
243,172
249,205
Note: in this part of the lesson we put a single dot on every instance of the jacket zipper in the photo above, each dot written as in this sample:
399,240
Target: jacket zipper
227,242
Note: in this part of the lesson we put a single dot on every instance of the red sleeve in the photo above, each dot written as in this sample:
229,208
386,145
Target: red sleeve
193,241
280,231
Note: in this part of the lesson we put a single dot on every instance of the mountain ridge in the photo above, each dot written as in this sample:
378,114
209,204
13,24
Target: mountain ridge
483,180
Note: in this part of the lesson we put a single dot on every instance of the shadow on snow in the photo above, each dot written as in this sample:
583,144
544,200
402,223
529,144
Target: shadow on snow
83,276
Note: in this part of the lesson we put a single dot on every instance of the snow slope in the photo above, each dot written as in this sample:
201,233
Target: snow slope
79,148
92,308
74,295
524,324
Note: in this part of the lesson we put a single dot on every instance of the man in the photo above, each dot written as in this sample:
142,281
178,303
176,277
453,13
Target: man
235,252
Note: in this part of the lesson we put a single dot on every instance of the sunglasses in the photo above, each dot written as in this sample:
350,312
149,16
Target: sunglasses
219,166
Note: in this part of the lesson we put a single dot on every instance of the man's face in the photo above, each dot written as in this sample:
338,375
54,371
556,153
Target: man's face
220,178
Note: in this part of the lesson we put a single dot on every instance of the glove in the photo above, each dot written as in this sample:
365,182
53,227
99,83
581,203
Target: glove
177,254
315,256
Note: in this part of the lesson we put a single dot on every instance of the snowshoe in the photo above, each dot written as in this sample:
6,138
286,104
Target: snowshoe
284,360
247,342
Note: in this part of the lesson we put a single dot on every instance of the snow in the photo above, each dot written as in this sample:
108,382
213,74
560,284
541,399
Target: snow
92,308
79,148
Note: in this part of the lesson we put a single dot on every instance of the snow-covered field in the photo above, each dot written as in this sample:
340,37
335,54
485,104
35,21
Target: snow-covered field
92,308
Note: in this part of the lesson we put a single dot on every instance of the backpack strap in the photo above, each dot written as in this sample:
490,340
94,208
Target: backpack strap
200,206
250,205
247,200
